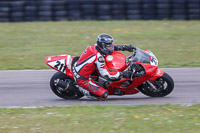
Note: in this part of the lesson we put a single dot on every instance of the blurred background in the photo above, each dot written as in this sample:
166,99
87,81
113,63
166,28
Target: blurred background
55,10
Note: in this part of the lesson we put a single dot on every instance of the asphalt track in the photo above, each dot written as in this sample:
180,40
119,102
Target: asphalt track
30,88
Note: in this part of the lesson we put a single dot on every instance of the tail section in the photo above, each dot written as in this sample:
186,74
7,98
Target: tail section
61,63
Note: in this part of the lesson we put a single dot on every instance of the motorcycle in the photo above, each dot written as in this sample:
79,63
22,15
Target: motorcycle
148,79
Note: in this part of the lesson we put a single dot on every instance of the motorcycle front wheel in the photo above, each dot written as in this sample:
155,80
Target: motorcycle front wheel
164,85
62,93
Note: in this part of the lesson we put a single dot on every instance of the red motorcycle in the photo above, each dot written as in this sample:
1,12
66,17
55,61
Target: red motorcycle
150,80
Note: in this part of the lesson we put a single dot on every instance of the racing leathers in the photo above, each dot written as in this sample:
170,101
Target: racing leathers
91,60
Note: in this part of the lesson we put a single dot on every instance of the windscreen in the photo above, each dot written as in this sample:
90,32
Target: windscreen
141,56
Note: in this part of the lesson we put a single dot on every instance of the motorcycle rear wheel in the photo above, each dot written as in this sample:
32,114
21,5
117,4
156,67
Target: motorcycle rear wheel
163,84
61,92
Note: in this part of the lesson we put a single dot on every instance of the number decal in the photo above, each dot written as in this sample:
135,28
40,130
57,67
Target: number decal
154,61
60,66
64,68
58,63
85,51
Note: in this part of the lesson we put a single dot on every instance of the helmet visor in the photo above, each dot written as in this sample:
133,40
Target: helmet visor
109,47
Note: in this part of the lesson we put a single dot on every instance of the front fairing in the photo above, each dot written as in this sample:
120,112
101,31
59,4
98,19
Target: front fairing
145,58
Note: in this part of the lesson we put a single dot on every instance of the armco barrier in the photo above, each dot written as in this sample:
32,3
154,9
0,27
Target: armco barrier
55,10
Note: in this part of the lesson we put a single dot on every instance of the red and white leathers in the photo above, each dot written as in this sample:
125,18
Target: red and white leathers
89,61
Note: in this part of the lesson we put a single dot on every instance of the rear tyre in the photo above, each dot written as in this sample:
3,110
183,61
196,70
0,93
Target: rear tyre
163,84
62,93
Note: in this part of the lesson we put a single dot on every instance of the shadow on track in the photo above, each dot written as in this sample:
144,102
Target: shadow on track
114,99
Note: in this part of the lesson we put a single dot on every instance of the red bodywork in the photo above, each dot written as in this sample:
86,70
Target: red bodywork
56,62
116,61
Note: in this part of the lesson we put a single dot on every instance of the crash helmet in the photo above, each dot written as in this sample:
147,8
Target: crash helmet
105,43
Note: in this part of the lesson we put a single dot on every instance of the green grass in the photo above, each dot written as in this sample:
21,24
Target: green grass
98,119
26,45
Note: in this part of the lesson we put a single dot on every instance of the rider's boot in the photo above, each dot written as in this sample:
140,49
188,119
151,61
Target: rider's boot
102,97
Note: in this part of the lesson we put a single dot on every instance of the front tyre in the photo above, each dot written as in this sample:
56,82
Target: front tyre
164,85
61,92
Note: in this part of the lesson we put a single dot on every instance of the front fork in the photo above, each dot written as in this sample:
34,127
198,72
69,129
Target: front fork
150,81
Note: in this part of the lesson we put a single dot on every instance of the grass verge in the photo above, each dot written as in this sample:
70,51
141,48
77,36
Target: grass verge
26,45
97,119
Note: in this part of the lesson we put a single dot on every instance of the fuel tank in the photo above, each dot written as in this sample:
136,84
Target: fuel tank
116,61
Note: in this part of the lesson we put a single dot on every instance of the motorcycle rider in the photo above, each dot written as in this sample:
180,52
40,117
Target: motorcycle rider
92,58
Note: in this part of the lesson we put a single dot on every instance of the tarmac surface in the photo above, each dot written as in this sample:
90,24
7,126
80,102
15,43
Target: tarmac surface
30,88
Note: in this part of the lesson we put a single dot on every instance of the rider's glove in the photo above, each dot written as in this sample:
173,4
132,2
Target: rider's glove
125,47
129,47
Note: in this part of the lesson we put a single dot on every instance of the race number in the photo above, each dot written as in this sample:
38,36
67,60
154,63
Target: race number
59,65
